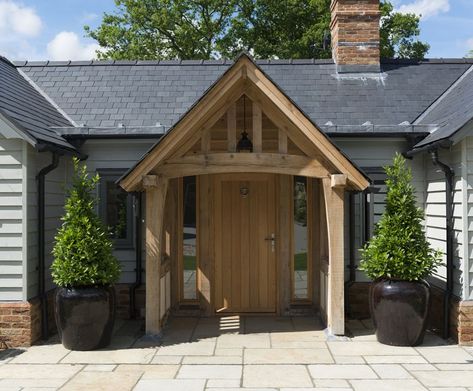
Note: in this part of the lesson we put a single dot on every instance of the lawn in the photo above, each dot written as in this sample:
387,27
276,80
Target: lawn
300,261
190,262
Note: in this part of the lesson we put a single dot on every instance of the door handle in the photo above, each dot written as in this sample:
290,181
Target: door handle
272,238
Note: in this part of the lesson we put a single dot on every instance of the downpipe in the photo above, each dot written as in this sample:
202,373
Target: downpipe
41,243
351,266
449,177
138,254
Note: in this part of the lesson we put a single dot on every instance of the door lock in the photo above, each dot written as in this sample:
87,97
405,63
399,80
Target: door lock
272,238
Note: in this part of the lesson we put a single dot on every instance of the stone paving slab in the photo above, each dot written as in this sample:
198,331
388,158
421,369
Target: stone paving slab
415,359
387,385
216,360
445,378
276,376
337,371
170,385
210,372
261,340
32,371
102,381
448,354
150,371
223,383
30,383
391,371
201,348
247,354
120,356
287,356
42,354
368,349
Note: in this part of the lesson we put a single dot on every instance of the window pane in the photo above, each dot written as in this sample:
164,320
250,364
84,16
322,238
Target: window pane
300,239
189,238
116,210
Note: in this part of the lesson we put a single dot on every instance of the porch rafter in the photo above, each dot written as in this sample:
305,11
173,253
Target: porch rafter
219,163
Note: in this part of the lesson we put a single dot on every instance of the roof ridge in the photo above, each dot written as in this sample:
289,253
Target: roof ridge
48,63
6,61
439,60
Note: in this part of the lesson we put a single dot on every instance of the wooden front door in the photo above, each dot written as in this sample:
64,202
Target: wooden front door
245,253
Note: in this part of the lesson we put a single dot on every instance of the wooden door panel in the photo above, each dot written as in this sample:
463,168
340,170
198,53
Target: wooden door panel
245,278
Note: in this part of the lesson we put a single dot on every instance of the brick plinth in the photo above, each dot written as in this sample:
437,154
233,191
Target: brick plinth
122,292
20,322
465,323
355,32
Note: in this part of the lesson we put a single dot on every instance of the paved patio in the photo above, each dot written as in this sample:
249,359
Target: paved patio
233,353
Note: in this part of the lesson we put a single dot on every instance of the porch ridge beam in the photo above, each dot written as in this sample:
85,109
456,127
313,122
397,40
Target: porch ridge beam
242,162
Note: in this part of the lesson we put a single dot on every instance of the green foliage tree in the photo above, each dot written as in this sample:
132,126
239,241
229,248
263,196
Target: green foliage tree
83,250
281,29
398,34
164,29
205,29
399,249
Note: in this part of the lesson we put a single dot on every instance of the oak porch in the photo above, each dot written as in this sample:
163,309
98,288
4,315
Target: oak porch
285,143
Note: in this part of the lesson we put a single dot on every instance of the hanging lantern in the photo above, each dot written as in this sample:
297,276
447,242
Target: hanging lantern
244,144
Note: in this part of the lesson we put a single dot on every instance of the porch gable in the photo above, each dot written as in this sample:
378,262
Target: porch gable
187,147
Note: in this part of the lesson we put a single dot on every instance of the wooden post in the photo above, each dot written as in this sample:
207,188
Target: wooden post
205,246
257,128
156,189
334,195
284,239
173,191
231,128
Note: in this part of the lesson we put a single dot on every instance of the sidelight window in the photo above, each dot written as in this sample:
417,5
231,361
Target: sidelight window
300,240
189,238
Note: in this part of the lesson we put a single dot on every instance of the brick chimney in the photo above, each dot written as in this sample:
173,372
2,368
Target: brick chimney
355,35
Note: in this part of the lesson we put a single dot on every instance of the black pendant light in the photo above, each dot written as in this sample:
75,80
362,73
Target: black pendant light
244,144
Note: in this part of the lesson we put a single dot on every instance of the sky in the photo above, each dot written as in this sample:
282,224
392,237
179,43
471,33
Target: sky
53,29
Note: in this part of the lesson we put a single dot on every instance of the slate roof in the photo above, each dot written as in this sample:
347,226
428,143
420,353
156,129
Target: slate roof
452,111
27,109
134,93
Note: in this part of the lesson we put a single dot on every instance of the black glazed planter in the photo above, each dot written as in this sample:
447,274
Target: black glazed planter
399,310
85,317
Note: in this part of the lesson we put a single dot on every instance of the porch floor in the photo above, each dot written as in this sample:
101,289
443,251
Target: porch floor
241,353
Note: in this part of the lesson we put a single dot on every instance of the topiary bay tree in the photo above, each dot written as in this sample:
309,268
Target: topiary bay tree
84,268
398,258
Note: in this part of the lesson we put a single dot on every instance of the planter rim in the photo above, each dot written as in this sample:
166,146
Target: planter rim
386,279
97,286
